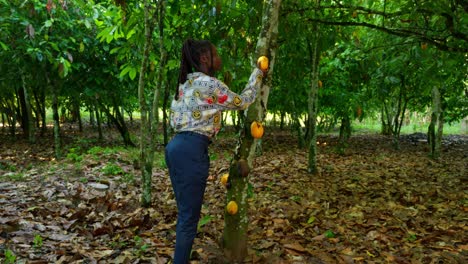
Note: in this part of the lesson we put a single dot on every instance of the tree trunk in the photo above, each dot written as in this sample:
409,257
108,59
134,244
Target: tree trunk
91,115
345,131
118,121
11,121
41,106
27,114
282,118
165,117
57,138
98,120
313,98
234,239
161,9
149,119
386,123
297,127
77,114
436,127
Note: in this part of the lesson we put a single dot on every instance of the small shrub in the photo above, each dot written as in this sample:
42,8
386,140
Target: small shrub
95,151
140,245
112,169
7,166
127,178
160,161
74,154
18,176
37,242
74,157
10,257
83,180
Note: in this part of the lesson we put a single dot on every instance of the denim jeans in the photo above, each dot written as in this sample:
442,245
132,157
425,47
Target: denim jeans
188,163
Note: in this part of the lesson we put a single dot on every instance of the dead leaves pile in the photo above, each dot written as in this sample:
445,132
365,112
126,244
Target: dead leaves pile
370,204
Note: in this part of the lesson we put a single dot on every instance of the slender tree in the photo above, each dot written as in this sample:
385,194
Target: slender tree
146,141
235,227
313,96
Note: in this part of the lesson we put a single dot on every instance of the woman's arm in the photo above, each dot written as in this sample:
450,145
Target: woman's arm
232,101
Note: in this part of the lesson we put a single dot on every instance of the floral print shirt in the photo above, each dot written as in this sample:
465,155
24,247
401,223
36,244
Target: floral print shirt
202,98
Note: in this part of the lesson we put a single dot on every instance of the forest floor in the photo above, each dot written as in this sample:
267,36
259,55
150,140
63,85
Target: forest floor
369,203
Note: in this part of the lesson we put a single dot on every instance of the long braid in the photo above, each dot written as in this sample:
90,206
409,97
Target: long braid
190,60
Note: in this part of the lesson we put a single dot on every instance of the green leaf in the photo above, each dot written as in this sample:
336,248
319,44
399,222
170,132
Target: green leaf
4,46
109,38
87,24
311,220
54,46
48,23
103,34
98,22
131,33
205,220
329,234
125,71
114,50
250,191
132,74
172,64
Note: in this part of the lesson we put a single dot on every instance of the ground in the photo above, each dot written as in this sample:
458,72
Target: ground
369,203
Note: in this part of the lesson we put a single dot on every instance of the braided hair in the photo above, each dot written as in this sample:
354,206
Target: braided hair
190,61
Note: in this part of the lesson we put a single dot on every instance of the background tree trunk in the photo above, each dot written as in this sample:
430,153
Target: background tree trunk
27,116
313,98
146,140
345,131
57,138
161,8
234,239
98,120
436,127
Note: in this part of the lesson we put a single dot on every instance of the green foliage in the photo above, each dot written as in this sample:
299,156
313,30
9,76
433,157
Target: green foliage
37,242
141,246
250,191
83,180
411,237
73,154
8,167
15,176
329,234
203,221
95,151
112,169
128,178
160,160
10,257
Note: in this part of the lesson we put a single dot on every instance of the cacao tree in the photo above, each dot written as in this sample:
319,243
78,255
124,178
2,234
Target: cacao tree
235,227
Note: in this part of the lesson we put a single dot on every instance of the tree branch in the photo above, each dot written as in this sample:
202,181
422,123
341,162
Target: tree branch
440,43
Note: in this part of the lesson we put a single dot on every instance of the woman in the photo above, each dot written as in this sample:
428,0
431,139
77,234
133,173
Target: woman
196,119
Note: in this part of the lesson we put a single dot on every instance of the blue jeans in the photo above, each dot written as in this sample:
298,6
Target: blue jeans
188,163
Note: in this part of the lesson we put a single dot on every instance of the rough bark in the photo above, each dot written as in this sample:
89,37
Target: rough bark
234,239
98,120
313,98
39,97
345,131
118,121
436,126
161,8
27,115
56,118
149,117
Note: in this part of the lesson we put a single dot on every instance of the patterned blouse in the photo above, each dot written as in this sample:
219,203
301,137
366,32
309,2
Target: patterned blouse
202,98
